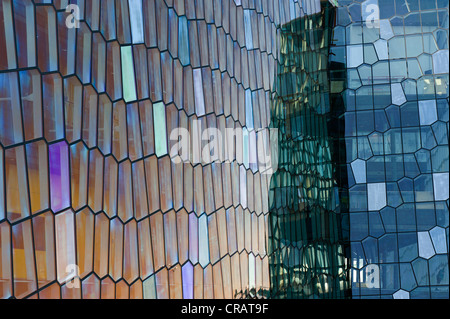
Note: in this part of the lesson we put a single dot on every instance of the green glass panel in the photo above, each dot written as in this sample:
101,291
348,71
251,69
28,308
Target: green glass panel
128,79
159,118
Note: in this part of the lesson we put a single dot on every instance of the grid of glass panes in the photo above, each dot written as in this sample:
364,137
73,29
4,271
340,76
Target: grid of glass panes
86,178
307,244
396,130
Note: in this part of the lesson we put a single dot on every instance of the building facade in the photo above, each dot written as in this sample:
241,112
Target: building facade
224,149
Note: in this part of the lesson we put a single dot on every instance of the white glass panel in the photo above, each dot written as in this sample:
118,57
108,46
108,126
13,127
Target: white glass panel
439,242
355,56
427,112
386,29
137,24
401,294
359,171
426,249
376,194
440,62
440,183
382,49
398,96
198,91
251,272
203,241
248,30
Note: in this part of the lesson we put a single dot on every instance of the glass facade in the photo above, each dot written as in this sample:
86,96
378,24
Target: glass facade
224,149
395,96
309,237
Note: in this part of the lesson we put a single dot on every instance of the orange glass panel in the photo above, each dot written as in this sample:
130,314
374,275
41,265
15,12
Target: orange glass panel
90,111
85,241
5,264
145,248
231,230
23,260
30,90
134,132
140,61
37,163
217,278
226,275
188,197
208,189
240,228
162,284
130,260
98,58
113,71
165,183
125,192
119,141
193,238
122,290
79,174
73,99
44,248
146,119
46,33
244,272
258,276
139,190
16,184
198,282
254,233
183,235
151,173
170,237
110,186
108,288
52,86
217,184
236,276
95,193
116,249
214,254
91,288
65,245
199,206
104,124
72,292
175,286
136,290
101,243
208,284
51,292
157,233
222,231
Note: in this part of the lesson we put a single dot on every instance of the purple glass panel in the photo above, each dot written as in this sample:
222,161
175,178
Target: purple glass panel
188,281
59,176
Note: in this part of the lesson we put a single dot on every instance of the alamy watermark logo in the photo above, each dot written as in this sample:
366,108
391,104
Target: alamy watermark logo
72,276
371,14
73,19
253,148
368,277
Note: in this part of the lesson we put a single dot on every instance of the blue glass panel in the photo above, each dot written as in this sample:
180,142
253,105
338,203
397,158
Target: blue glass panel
406,218
407,247
426,218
